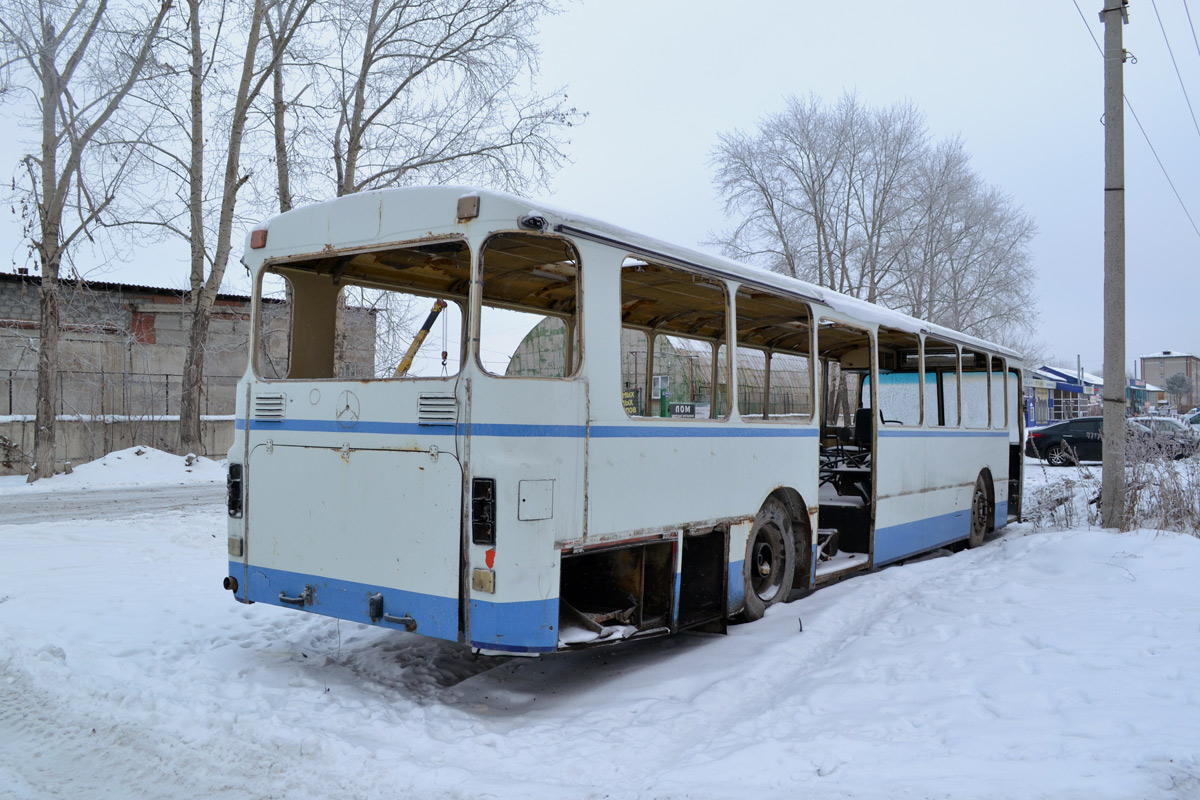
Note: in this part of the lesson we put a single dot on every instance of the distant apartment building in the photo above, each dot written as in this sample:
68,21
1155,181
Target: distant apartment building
1158,368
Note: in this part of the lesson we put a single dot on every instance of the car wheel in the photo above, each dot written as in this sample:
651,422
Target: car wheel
1056,456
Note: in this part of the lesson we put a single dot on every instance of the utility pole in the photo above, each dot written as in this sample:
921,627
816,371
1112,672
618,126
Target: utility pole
1112,486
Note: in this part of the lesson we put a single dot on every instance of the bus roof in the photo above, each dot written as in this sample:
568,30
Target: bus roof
389,215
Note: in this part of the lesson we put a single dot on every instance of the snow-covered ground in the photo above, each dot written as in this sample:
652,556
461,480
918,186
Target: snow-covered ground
1060,664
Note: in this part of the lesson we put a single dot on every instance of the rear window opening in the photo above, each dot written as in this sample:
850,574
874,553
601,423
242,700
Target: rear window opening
379,315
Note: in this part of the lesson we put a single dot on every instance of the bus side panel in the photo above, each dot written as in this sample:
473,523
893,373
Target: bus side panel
649,476
531,442
924,482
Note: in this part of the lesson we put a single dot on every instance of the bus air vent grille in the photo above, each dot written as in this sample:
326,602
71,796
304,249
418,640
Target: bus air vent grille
437,409
270,406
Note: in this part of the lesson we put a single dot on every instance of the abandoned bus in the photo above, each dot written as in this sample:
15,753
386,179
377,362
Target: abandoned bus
480,419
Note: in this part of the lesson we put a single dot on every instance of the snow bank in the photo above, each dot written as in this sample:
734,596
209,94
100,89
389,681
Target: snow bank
1055,664
135,466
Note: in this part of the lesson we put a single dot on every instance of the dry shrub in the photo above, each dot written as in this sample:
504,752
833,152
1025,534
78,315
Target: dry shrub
1162,492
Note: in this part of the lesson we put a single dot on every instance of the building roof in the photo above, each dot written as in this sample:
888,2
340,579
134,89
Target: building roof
112,286
1168,354
1065,375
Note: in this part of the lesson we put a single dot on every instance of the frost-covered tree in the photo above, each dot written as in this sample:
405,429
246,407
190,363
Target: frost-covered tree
72,64
436,91
859,200
1178,386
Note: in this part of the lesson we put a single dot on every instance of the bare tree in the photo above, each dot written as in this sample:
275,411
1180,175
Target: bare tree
857,200
431,88
76,62
225,67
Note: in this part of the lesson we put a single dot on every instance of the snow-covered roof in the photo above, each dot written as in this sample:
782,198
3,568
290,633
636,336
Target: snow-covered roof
114,286
1168,354
1066,375
383,216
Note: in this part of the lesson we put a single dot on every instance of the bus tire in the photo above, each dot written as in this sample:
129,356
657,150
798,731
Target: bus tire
981,512
770,565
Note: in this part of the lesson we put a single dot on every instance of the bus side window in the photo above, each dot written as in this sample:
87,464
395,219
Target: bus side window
939,360
1000,410
974,389
774,357
674,362
899,390
529,323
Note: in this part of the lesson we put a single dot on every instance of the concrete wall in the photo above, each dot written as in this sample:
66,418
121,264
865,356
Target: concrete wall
81,441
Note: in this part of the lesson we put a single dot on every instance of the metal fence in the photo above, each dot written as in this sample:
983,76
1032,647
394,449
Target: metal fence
123,394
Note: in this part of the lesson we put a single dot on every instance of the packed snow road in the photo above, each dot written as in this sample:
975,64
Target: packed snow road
1045,664
109,504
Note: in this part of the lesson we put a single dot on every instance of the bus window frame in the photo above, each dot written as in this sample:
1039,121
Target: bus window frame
278,267
939,380
767,352
572,322
632,261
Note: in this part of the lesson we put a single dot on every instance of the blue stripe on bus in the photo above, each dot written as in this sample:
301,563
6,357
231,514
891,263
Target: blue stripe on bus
901,541
637,431
688,432
530,626
737,586
332,426
498,429
938,433
435,615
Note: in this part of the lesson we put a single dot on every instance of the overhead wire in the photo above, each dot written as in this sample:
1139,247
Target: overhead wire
1175,64
1188,11
1141,127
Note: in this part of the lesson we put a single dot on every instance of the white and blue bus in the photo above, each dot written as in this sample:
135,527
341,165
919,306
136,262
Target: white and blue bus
594,436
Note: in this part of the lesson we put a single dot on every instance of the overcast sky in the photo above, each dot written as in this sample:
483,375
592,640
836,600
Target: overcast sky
1022,86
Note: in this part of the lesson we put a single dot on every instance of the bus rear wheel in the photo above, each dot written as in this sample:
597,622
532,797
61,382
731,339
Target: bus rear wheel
981,512
770,564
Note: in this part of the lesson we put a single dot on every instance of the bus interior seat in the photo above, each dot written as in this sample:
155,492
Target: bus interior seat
864,419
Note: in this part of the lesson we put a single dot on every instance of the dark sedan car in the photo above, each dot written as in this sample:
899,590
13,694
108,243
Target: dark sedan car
1076,440
1067,442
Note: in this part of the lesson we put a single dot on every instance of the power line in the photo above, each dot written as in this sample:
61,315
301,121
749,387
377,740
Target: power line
1188,11
1171,52
1170,182
1141,127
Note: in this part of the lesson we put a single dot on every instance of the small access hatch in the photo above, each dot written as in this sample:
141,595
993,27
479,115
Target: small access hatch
535,500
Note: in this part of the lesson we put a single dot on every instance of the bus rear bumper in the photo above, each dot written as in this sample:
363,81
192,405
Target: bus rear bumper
429,615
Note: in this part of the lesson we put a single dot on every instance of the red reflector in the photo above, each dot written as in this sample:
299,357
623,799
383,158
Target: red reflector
1035,435
258,239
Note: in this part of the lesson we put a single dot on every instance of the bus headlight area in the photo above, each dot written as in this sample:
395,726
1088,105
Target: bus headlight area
593,437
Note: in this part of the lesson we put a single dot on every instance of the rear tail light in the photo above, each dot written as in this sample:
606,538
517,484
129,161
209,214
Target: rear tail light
483,510
233,487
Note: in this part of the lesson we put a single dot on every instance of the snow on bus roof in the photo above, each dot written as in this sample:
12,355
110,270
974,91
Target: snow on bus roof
496,205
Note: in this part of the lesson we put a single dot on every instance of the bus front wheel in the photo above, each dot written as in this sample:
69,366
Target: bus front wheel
770,564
